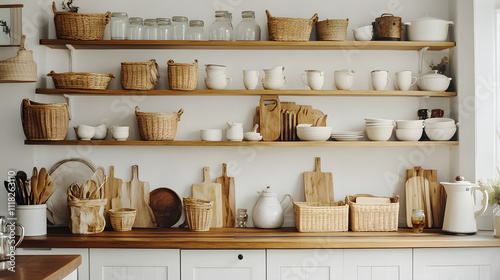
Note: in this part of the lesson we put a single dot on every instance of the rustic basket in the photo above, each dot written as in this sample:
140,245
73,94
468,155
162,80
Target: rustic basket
87,215
139,75
76,80
182,76
157,126
75,26
332,29
321,216
198,213
122,219
373,217
21,68
44,121
290,29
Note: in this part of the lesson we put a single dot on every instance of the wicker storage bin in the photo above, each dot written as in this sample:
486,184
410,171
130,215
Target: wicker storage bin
157,126
139,75
76,80
44,121
122,219
321,216
75,26
21,68
182,76
87,215
332,29
198,213
290,29
373,217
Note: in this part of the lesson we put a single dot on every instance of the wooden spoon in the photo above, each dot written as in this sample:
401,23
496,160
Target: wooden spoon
323,121
47,192
40,184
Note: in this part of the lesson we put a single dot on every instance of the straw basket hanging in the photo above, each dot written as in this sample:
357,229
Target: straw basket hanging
139,75
75,26
75,80
44,121
182,76
290,29
21,68
157,126
332,29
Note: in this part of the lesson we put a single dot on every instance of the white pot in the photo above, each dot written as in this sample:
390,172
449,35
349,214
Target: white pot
434,82
428,29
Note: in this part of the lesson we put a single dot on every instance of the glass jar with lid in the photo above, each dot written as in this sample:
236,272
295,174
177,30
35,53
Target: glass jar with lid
119,26
180,26
135,28
196,31
247,29
165,30
221,29
150,31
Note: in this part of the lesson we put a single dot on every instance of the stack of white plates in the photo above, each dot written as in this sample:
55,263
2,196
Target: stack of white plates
347,135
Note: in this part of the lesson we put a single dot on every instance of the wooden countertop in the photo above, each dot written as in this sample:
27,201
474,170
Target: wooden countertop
252,238
54,267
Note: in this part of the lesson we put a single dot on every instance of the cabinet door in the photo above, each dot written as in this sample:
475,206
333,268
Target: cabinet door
123,264
317,264
223,264
378,264
456,264
83,269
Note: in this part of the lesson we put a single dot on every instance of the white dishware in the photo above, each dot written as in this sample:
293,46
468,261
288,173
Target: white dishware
211,135
404,80
215,71
433,81
440,134
101,131
315,79
250,79
275,72
252,136
234,131
344,79
317,133
120,133
379,79
410,124
347,135
268,212
363,33
428,29
409,134
220,82
270,84
85,132
379,133
439,122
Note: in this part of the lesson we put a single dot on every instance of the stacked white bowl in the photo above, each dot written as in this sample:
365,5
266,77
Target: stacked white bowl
440,129
409,130
379,129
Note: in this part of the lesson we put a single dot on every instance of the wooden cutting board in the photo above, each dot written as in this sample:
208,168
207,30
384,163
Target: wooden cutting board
111,188
318,186
228,205
418,197
211,192
270,118
166,206
139,198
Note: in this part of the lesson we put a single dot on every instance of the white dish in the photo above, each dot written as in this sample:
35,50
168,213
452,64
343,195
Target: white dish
211,135
409,134
320,133
440,134
379,133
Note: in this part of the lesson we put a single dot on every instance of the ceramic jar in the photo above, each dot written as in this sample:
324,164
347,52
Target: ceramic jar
268,211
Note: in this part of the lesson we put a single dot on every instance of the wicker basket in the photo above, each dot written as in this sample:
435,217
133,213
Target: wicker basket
332,29
75,26
87,215
157,126
373,217
75,80
182,76
21,68
122,219
198,213
139,75
290,29
44,121
321,216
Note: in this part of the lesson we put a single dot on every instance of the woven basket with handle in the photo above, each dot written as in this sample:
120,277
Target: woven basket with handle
75,80
290,29
373,217
332,29
139,75
21,68
157,126
44,121
75,26
182,76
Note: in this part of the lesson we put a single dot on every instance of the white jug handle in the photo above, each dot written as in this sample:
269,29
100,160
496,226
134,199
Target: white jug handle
21,237
388,80
289,205
413,82
484,202
395,85
229,80
284,80
302,78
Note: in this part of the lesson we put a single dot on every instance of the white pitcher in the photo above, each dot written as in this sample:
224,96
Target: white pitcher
234,131
268,212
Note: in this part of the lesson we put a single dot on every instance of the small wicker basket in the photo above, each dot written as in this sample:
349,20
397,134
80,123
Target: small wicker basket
75,26
182,76
122,219
157,126
21,68
198,213
321,216
44,121
373,217
332,29
76,80
139,75
290,29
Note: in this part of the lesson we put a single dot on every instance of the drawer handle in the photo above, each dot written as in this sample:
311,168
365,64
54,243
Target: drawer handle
240,257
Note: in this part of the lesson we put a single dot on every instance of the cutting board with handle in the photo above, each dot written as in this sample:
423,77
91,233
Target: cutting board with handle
211,192
111,187
418,197
139,198
318,186
228,205
270,118
436,192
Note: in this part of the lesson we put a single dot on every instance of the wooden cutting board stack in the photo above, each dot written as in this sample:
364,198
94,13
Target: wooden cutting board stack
228,205
211,192
318,186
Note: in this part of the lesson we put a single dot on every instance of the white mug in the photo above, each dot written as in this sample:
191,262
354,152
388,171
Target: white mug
315,79
404,80
120,133
344,79
380,79
250,79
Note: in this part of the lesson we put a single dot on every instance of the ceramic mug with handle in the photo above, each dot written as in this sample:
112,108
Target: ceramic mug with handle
380,79
404,80
250,79
315,79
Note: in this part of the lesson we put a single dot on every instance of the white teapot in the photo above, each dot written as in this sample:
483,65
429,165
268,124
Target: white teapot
268,212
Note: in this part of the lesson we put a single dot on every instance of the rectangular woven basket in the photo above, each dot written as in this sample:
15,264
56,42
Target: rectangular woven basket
182,76
139,75
75,26
373,217
332,29
157,126
290,29
321,216
77,80
44,121
198,213
21,68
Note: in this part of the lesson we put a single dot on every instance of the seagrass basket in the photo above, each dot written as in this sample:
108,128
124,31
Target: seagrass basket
332,29
290,29
373,217
157,126
21,68
198,213
77,80
182,76
139,75
321,216
44,121
76,26
122,219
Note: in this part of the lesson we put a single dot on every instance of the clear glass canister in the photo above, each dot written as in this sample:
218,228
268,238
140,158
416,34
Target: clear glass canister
119,25
180,26
150,31
247,29
221,29
165,30
135,28
196,31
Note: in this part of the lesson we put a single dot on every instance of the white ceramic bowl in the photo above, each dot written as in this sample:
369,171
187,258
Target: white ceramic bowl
440,134
363,33
319,133
85,132
101,131
439,122
217,83
252,136
273,83
381,133
410,124
211,135
409,134
433,82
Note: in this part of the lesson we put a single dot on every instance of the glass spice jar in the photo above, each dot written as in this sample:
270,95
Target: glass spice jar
150,30
242,218
165,29
135,28
418,220
180,27
196,31
119,25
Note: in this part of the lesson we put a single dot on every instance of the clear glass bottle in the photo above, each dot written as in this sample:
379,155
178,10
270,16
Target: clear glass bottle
165,29
221,29
180,26
135,28
247,29
119,26
196,31
150,31
242,218
418,220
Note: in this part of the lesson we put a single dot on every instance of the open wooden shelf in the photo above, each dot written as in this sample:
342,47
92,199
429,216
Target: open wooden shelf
247,143
251,45
243,92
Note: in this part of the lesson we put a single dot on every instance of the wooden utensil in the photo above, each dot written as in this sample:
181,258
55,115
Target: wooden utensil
270,118
318,186
110,189
139,198
228,194
41,184
34,186
166,206
211,192
305,116
47,192
436,192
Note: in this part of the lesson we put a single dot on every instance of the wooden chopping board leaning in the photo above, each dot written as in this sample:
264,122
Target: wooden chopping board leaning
318,186
211,192
228,205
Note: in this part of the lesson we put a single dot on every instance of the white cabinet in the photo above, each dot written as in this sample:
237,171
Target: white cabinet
128,264
456,264
223,264
378,264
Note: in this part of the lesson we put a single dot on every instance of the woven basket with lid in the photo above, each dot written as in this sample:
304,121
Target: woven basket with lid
75,26
332,29
21,68
157,126
290,29
182,76
44,121
76,80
